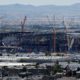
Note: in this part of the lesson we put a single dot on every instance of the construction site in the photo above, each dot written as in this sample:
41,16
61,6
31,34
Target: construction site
44,35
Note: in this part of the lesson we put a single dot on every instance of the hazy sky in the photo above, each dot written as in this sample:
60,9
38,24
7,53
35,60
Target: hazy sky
40,2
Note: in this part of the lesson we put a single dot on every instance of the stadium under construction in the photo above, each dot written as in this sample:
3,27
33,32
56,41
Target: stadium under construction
59,40
37,42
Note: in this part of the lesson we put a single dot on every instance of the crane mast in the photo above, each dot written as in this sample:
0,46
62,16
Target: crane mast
54,34
23,23
66,31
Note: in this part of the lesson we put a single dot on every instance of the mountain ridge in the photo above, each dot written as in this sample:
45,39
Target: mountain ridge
15,10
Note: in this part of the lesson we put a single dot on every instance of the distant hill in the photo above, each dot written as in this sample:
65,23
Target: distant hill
14,10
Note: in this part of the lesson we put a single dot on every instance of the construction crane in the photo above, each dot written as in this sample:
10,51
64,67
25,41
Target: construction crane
66,31
23,23
54,33
69,41
54,36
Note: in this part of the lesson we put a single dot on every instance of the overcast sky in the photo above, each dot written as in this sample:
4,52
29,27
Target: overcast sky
40,2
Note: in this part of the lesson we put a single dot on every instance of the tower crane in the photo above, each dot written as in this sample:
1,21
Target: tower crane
54,34
69,41
23,23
